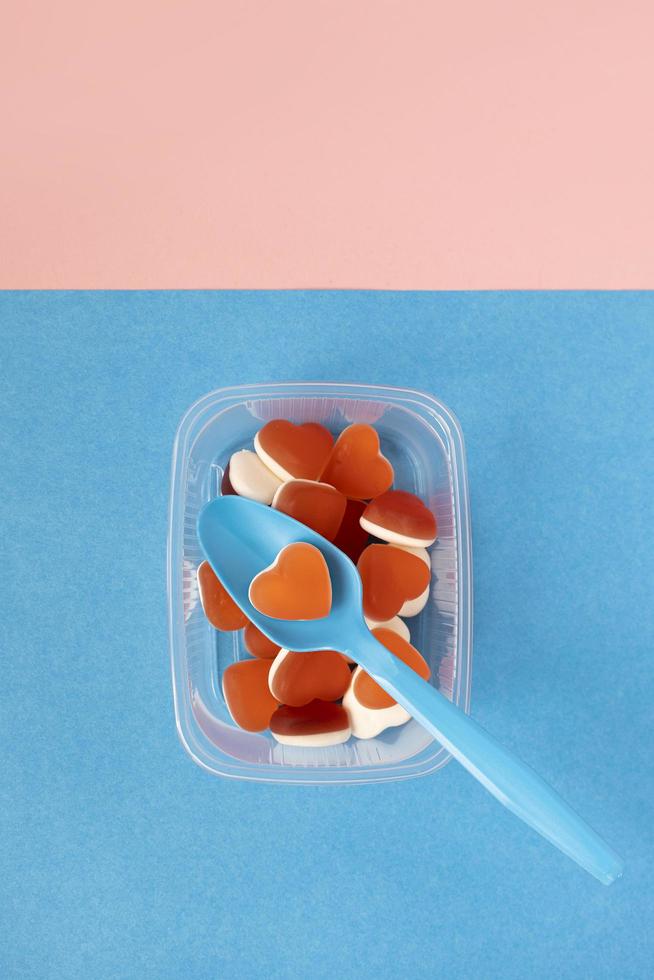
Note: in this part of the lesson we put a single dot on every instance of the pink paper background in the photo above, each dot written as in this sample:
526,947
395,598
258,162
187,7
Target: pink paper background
327,143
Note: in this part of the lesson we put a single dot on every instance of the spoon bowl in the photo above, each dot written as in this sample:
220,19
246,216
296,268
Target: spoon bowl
241,538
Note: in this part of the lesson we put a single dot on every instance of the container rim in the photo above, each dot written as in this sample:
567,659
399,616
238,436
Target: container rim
433,756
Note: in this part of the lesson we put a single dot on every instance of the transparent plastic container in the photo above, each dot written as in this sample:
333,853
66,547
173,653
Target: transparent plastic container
423,441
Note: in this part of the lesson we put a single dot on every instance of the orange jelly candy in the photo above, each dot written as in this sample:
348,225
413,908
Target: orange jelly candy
356,466
367,691
317,505
219,607
294,451
351,537
400,518
247,694
295,586
297,678
258,644
390,576
316,723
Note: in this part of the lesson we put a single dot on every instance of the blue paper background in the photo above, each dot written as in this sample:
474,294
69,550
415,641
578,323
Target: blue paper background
119,857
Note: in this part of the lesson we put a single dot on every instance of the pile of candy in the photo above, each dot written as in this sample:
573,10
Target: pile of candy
342,491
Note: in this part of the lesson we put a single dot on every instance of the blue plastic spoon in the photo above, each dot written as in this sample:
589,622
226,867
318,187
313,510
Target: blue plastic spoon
240,538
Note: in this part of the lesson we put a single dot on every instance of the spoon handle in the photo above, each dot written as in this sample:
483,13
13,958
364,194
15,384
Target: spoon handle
502,773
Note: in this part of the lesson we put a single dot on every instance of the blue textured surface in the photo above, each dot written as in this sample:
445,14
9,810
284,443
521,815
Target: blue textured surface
119,857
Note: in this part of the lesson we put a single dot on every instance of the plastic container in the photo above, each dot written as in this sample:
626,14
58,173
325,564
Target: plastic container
423,440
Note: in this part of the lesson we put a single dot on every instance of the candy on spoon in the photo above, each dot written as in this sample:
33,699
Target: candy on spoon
315,725
219,607
247,694
258,644
294,451
295,586
250,478
318,505
390,577
356,465
297,678
400,518
351,538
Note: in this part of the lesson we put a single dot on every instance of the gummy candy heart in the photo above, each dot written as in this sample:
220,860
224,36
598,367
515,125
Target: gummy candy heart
395,624
367,691
297,678
351,537
247,694
356,466
219,607
317,505
317,724
295,586
249,477
258,644
400,518
294,451
414,606
369,722
390,576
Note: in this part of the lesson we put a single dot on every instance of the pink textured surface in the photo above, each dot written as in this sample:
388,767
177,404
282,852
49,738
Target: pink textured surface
334,143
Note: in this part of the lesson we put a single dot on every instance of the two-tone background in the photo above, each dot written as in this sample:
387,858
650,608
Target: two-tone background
456,198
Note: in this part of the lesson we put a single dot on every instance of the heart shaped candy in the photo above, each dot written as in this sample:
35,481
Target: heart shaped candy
396,625
247,694
390,576
414,606
317,505
356,465
297,678
258,644
351,538
400,518
294,451
295,586
219,607
316,724
369,722
249,477
367,691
